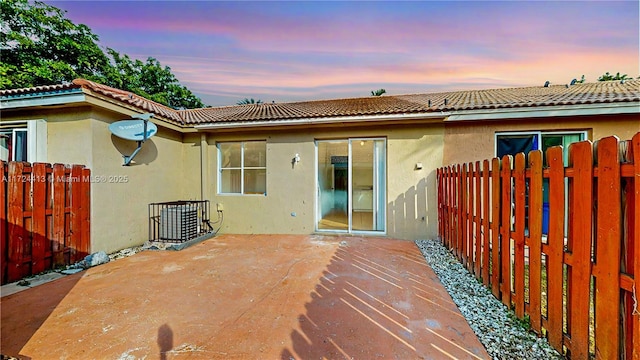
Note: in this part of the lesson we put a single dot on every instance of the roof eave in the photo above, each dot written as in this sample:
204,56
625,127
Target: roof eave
75,95
322,121
612,108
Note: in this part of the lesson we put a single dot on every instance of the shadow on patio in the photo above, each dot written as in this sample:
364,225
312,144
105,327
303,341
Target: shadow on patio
379,299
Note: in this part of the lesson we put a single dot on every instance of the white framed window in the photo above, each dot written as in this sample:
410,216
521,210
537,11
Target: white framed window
242,167
14,142
511,143
23,141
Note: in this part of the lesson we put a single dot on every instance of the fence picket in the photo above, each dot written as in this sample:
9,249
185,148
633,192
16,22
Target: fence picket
607,269
477,261
38,218
75,215
633,314
17,233
459,220
440,199
470,223
464,209
505,230
495,227
3,222
85,213
485,223
58,215
555,255
519,212
535,239
450,202
579,244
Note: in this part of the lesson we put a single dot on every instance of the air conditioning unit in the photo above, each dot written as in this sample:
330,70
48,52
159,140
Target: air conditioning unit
179,223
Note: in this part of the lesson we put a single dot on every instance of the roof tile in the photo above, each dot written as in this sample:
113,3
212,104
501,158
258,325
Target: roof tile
588,93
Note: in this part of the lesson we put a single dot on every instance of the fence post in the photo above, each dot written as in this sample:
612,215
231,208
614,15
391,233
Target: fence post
535,238
607,263
554,263
579,277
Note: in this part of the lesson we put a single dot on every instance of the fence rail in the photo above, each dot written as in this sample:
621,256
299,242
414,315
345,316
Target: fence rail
45,217
577,278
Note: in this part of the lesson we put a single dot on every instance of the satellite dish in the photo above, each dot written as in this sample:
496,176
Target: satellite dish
138,130
133,129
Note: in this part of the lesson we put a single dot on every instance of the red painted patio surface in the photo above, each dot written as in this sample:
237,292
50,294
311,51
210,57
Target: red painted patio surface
246,297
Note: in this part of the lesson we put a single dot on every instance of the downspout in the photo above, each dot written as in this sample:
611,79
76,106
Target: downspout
204,167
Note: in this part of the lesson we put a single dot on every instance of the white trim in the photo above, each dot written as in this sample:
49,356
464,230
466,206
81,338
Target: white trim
547,111
321,120
43,100
383,204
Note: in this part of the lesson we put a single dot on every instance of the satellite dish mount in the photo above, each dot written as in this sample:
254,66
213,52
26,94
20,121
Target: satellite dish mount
138,130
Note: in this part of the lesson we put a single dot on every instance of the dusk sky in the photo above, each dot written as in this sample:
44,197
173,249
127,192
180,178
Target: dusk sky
292,51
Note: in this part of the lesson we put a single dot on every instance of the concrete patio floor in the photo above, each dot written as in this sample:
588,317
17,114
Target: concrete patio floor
246,297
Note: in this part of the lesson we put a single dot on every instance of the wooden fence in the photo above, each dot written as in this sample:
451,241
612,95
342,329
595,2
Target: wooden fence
45,217
578,283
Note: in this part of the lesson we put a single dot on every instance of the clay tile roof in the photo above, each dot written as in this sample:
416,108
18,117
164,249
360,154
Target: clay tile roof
588,93
536,96
45,89
299,110
453,101
131,99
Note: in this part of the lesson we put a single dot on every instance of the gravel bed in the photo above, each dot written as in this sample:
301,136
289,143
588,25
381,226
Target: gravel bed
495,325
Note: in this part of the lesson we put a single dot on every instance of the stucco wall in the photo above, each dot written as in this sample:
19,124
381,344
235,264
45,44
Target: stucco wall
473,141
119,195
290,203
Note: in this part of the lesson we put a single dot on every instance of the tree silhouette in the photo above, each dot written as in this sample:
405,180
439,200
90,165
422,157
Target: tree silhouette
378,92
247,101
617,76
40,46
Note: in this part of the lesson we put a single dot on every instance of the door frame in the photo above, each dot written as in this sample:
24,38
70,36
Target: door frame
379,197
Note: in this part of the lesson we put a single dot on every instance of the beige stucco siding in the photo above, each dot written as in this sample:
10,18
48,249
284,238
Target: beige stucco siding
290,203
468,141
119,195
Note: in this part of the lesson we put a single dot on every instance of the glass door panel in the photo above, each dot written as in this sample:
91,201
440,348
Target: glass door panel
333,185
362,185
351,185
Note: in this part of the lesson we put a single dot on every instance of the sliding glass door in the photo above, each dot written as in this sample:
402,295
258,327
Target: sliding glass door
351,185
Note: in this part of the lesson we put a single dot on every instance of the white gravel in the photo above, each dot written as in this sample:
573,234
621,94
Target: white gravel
494,324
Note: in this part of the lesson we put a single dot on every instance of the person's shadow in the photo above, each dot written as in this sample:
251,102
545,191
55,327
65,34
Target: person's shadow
165,340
